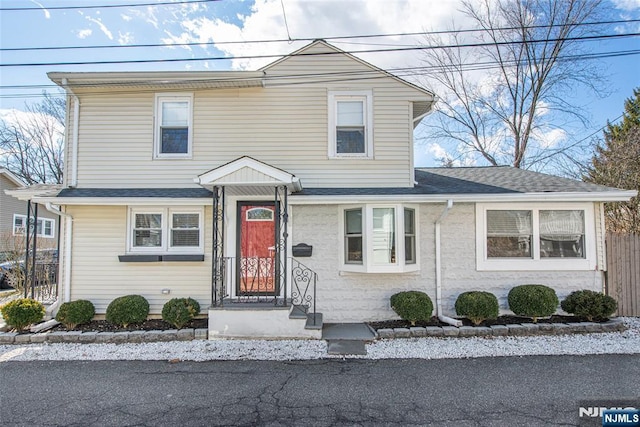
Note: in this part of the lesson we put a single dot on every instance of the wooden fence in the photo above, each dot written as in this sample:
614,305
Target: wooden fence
623,272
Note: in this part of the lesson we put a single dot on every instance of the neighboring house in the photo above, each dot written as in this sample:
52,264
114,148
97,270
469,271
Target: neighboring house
237,188
13,216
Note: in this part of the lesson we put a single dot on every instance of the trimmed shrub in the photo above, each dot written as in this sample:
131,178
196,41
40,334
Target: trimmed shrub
180,311
533,301
412,306
74,313
128,309
477,306
22,312
589,304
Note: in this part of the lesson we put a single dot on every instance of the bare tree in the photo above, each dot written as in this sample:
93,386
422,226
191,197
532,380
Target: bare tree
32,141
504,99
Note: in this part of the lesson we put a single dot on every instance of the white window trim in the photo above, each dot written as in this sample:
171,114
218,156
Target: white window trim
535,263
157,143
165,247
333,98
367,265
24,219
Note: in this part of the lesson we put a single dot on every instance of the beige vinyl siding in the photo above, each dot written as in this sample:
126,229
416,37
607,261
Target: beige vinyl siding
99,236
600,237
283,124
8,206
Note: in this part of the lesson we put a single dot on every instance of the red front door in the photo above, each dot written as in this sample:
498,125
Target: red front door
256,249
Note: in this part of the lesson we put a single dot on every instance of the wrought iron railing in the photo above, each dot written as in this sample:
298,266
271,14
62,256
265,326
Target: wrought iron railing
43,287
303,287
255,280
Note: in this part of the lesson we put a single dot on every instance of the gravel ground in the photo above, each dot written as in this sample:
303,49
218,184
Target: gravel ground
627,342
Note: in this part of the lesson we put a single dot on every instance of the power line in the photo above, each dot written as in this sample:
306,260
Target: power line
399,49
303,39
104,6
298,79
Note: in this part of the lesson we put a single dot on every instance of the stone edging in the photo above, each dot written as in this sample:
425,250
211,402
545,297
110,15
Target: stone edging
104,337
522,329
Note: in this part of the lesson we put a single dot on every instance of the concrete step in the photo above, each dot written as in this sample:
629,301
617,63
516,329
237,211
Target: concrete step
345,347
298,312
314,322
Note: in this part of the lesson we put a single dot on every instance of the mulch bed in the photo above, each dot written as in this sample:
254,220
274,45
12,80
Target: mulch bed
502,320
148,325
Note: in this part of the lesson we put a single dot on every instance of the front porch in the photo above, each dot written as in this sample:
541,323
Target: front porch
257,290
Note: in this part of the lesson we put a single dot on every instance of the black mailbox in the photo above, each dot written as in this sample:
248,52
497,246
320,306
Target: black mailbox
302,250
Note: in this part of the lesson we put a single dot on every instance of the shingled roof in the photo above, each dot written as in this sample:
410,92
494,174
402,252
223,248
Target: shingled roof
431,183
473,180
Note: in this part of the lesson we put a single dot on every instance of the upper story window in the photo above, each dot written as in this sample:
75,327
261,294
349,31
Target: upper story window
173,125
379,239
529,237
350,132
44,226
166,230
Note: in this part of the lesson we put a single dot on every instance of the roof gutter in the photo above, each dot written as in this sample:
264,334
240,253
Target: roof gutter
442,317
74,136
68,234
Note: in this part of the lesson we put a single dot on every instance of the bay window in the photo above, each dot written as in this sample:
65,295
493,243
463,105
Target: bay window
379,238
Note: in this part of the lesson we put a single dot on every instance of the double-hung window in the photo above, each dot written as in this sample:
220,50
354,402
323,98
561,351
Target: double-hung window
350,121
44,226
535,237
173,131
379,238
166,230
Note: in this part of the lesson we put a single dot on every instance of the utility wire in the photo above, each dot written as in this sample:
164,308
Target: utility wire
303,39
300,79
399,49
104,6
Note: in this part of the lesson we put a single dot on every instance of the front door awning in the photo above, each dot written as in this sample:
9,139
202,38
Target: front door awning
246,175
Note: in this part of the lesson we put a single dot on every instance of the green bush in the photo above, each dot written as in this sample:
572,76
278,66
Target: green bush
180,311
533,301
22,312
589,304
128,309
74,313
412,306
477,306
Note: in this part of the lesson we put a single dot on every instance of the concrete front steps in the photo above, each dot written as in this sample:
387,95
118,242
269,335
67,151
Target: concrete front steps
263,320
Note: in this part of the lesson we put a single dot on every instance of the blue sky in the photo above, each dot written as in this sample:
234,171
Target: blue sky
224,21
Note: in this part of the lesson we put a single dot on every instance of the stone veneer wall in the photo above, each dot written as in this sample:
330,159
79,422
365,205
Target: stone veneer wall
352,297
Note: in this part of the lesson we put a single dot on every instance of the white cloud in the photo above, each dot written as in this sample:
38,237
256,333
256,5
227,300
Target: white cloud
125,18
46,12
83,34
28,120
551,138
103,27
627,5
125,38
320,19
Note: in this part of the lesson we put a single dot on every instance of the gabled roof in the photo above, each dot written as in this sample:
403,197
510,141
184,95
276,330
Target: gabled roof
248,172
12,177
333,50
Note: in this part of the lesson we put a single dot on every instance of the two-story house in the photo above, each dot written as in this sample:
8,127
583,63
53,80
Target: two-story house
295,185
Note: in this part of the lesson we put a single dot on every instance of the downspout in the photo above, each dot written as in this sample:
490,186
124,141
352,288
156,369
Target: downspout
68,230
74,137
442,317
